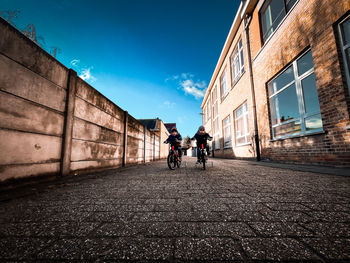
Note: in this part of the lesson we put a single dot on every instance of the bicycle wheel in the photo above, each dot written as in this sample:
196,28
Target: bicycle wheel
178,163
171,161
203,161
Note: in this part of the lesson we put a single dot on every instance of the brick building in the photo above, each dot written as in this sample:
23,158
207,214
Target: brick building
280,89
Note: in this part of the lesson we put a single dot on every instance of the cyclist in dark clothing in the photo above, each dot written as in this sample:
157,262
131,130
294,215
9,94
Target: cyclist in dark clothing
175,139
201,136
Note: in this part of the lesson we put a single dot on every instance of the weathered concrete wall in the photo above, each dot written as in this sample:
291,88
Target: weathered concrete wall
32,104
48,114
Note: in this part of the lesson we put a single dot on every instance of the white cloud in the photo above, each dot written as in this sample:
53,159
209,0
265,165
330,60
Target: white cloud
86,75
75,62
194,88
186,82
172,78
169,104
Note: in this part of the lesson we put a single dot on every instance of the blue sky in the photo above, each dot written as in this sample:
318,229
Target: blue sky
153,58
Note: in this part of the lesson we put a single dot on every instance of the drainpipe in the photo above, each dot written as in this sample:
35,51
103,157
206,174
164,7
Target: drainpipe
247,21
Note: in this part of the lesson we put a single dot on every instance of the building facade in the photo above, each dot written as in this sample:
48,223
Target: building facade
280,89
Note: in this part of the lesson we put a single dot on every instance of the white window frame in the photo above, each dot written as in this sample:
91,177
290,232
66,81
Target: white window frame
216,127
223,84
209,108
343,49
237,62
226,130
245,117
301,104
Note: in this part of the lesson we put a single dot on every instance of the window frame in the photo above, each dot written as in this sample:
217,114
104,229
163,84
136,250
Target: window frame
224,126
215,118
300,98
224,74
237,53
263,9
343,51
245,117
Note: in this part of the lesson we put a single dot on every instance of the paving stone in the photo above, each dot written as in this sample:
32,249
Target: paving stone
153,217
198,216
170,229
68,249
276,249
207,249
332,249
19,248
280,229
242,216
140,249
224,229
232,212
120,229
326,229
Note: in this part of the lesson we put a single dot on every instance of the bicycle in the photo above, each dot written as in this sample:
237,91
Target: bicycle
203,156
173,159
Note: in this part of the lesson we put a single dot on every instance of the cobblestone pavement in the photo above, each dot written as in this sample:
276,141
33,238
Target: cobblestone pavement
234,212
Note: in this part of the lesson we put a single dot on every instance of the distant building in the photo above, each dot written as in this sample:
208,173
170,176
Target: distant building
169,126
157,126
280,89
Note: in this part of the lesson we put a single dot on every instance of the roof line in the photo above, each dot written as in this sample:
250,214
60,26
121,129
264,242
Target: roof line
224,51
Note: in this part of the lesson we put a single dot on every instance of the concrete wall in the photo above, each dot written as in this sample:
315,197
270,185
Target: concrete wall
52,122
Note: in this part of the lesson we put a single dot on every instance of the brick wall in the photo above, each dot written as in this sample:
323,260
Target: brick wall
309,25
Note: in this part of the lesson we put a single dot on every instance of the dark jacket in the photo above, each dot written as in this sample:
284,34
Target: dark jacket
201,138
172,139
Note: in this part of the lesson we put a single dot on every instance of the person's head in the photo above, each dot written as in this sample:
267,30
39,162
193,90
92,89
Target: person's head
174,131
201,130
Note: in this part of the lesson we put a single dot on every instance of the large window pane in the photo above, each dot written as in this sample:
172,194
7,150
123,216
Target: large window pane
286,105
272,17
313,122
295,109
290,4
305,63
240,127
346,32
288,128
347,53
282,80
276,8
310,94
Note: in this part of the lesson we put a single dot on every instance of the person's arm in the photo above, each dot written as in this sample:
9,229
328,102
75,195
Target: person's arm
209,137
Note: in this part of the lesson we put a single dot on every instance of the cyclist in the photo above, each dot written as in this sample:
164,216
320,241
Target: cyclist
201,136
175,140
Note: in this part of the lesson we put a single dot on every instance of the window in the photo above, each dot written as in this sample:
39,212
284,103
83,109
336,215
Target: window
272,13
241,125
223,83
294,105
209,109
344,31
215,120
226,127
237,62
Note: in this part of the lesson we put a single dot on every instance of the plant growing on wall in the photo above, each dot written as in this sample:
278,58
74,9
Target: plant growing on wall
9,15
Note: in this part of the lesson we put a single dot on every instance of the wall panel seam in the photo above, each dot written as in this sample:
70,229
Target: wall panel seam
32,132
36,73
33,102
